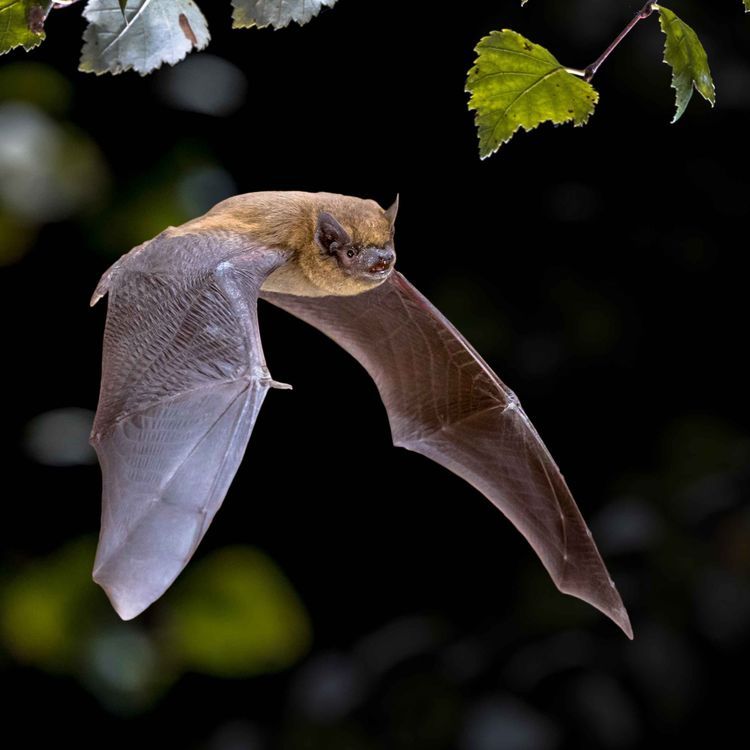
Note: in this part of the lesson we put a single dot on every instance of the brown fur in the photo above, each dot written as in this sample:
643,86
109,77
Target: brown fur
287,221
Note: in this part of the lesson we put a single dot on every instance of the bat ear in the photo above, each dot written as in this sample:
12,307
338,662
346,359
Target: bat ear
329,232
390,214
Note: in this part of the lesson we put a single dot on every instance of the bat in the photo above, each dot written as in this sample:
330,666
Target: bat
183,380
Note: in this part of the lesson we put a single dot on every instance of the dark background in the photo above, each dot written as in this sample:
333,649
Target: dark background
600,270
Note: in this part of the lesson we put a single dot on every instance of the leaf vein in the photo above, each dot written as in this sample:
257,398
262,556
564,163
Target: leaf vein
515,52
127,26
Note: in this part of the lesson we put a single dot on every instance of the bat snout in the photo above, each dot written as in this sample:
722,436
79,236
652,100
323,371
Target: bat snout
380,260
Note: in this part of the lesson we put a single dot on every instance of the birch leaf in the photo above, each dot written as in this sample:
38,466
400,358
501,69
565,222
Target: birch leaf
143,36
276,13
22,23
684,53
518,84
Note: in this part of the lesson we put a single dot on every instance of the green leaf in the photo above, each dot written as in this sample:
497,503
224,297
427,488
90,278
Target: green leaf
22,23
145,35
747,5
515,83
684,53
276,13
233,614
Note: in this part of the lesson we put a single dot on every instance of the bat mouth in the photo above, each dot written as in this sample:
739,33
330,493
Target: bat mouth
370,264
380,267
378,262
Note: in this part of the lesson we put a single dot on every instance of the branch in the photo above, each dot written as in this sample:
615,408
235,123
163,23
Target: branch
589,72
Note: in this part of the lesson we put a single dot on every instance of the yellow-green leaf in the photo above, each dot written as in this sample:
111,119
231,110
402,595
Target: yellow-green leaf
234,613
518,84
684,53
22,23
747,6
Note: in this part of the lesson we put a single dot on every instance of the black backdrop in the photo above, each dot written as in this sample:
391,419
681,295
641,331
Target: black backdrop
600,270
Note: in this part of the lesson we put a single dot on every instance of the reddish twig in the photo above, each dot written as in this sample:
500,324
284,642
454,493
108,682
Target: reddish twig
590,71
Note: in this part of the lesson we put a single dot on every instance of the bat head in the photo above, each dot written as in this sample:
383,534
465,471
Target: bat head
368,262
352,247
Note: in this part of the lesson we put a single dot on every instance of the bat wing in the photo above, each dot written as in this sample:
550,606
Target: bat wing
183,379
444,402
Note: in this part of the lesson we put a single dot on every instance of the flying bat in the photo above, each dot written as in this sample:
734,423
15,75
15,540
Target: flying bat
183,379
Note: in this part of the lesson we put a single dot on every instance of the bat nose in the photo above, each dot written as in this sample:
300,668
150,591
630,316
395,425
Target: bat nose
383,260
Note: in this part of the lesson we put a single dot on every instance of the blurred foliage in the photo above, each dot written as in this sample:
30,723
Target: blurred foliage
184,183
15,237
700,445
235,614
61,437
49,607
123,667
203,83
37,84
50,170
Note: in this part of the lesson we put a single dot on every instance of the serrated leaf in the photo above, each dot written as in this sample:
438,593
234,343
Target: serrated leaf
684,53
276,13
145,35
22,24
518,84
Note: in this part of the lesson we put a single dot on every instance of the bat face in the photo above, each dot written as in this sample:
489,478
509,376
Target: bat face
351,250
184,377
367,264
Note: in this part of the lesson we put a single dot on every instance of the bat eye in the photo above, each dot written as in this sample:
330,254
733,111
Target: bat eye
350,253
330,235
